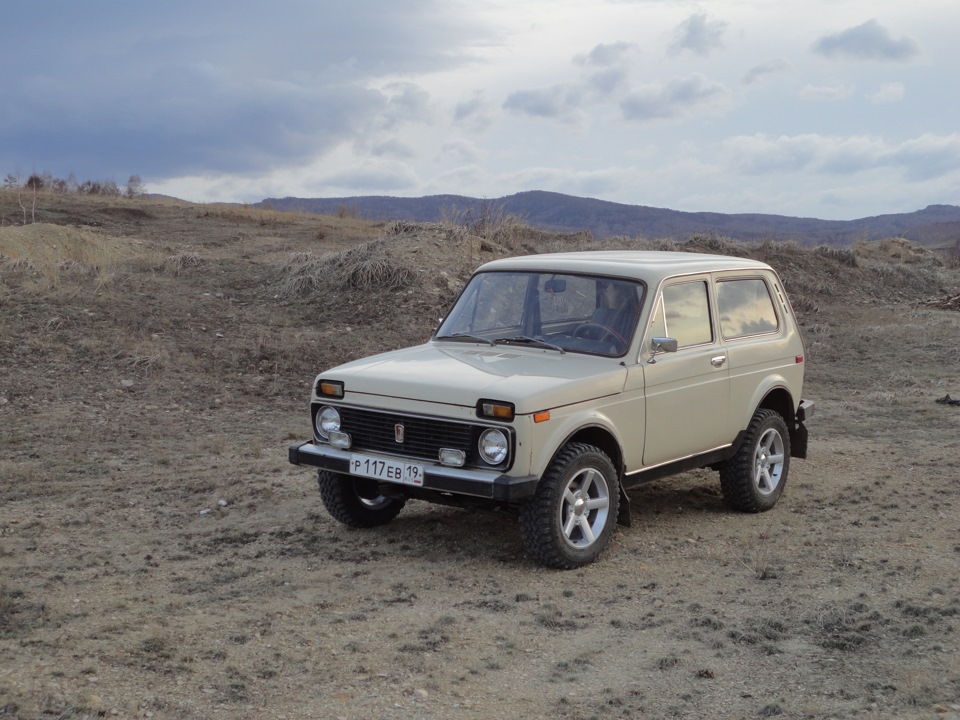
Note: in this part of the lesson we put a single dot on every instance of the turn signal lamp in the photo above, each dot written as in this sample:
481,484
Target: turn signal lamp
330,388
496,410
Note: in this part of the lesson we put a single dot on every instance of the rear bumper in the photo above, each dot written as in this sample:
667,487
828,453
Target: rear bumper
475,483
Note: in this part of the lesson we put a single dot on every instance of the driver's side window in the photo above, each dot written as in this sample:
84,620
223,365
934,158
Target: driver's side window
686,314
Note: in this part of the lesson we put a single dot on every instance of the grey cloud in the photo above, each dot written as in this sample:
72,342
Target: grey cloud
870,41
675,99
564,100
549,102
393,148
475,113
186,88
758,72
407,102
698,34
375,176
460,151
605,55
928,156
924,158
606,81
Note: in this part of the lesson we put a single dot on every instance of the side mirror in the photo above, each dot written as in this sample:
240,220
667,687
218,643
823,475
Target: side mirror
661,345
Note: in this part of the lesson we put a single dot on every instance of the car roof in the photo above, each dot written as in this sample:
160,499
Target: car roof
650,266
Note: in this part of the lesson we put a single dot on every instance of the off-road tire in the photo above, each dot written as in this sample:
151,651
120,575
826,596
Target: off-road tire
344,503
754,478
562,528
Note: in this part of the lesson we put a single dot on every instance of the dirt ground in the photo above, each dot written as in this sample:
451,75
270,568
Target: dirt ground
159,557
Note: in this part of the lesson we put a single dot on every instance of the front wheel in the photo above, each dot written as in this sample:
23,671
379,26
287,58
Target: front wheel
356,502
573,513
753,479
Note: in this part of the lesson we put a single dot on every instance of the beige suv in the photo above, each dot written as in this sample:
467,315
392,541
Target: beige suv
556,382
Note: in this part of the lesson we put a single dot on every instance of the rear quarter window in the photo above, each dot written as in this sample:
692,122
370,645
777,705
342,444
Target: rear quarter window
745,307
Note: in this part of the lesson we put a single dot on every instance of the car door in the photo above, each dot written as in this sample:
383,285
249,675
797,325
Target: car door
687,391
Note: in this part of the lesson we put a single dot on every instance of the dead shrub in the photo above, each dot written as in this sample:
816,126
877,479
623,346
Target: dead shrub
365,267
179,262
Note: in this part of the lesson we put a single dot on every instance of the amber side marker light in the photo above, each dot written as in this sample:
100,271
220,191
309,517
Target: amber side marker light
541,416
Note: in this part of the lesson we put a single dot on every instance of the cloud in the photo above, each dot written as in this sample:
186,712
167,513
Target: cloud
394,148
550,102
178,90
372,176
758,72
406,102
923,158
475,113
677,98
825,92
460,152
698,34
870,41
605,55
889,93
605,72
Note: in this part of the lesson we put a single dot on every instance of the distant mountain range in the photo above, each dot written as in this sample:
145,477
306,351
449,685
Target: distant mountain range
935,225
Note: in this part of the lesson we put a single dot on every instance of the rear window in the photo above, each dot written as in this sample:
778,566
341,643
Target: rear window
745,307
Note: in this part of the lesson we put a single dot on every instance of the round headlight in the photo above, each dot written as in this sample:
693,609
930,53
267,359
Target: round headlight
328,420
493,446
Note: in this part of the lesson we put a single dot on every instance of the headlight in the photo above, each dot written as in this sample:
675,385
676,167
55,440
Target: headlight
327,421
493,446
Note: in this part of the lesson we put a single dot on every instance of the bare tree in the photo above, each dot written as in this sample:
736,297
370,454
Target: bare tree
135,187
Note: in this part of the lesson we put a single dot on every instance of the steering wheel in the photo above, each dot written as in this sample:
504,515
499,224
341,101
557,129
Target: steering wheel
599,331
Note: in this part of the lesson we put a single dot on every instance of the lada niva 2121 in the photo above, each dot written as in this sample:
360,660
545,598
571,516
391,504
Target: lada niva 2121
557,382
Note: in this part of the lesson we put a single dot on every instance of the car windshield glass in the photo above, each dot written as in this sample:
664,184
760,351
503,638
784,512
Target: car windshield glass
577,313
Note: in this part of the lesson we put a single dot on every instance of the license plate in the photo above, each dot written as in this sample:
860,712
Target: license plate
390,470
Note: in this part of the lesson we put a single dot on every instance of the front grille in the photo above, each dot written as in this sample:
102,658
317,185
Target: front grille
422,437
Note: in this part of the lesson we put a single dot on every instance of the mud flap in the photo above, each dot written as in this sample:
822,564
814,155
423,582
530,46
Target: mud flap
623,513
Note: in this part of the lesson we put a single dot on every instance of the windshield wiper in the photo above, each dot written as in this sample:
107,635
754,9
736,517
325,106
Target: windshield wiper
466,336
523,339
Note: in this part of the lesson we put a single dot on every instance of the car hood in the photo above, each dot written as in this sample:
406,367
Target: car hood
460,374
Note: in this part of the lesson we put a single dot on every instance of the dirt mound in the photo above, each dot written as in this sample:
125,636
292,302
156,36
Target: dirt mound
43,243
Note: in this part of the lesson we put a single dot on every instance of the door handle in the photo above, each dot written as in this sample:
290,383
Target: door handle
718,360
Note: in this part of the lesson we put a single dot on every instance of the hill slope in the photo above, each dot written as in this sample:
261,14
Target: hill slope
934,225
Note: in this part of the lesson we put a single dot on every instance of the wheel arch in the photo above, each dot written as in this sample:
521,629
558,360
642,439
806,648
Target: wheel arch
601,438
780,401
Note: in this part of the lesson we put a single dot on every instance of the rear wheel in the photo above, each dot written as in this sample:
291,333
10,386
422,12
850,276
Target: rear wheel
573,513
754,478
356,502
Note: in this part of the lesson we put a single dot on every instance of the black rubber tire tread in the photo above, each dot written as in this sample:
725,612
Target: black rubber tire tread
542,536
344,505
736,474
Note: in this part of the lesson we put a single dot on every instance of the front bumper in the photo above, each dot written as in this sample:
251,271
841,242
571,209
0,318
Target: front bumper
475,483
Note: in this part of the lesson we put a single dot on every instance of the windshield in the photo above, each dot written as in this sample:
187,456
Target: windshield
577,313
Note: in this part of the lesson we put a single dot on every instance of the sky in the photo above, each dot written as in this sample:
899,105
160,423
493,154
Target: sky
835,109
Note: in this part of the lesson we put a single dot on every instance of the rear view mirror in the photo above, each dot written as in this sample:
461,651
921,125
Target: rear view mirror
555,285
661,345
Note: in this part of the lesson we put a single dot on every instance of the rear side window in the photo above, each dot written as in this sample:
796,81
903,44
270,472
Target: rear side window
745,307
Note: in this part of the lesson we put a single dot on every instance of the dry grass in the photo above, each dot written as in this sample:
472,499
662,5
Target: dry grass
367,267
